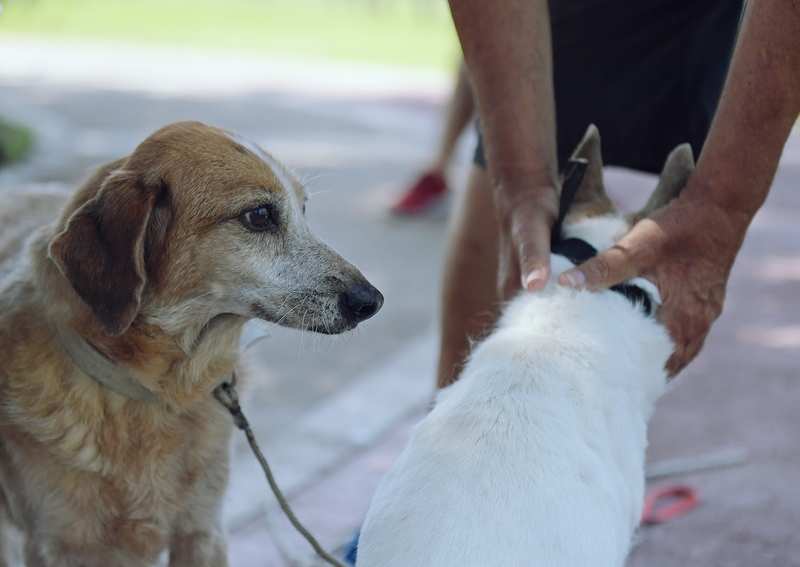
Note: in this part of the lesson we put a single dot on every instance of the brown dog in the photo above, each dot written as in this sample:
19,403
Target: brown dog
148,276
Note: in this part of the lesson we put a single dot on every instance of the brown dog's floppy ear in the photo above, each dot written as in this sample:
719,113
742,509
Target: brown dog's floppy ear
101,249
674,175
592,189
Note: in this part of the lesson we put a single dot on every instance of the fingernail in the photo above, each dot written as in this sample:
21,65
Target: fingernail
535,280
573,278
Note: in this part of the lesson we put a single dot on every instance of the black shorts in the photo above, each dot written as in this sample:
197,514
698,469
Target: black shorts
648,73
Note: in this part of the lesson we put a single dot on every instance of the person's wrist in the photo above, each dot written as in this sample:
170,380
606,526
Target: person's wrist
526,188
515,176
718,206
703,228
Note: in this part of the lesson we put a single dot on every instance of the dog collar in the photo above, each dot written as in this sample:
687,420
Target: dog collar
579,251
100,368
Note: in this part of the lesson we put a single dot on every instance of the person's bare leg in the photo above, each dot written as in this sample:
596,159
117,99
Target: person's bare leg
460,110
431,185
469,291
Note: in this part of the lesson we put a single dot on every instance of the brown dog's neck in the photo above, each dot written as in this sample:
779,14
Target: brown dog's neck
159,362
180,368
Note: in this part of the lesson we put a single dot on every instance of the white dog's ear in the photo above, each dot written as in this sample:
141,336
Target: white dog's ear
592,190
101,250
675,174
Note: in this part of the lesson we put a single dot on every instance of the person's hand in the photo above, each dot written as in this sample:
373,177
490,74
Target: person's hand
687,249
526,218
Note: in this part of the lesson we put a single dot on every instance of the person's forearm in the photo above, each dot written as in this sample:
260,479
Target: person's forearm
507,49
759,105
508,53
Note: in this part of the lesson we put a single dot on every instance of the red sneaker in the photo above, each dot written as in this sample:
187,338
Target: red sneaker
424,194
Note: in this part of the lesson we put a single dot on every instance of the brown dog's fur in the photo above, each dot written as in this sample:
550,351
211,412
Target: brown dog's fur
146,263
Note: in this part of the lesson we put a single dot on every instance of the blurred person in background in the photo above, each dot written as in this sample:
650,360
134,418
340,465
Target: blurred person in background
430,188
649,74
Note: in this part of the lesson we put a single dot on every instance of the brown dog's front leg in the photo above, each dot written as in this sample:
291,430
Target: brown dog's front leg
198,539
3,536
4,524
198,549
33,556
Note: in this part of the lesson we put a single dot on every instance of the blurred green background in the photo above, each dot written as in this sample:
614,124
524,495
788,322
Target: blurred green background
414,33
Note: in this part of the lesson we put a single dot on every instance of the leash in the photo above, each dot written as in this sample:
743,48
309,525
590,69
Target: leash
573,177
226,395
722,459
667,503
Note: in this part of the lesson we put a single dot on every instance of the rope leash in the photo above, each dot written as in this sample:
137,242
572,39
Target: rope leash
226,395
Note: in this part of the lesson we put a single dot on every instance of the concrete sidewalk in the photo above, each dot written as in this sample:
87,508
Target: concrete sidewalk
333,413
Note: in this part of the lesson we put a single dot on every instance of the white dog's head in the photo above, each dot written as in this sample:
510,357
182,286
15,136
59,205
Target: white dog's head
197,223
593,217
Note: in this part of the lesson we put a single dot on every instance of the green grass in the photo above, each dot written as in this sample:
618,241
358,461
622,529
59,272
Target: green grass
415,33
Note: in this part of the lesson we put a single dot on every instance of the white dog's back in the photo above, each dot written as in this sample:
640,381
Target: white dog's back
535,456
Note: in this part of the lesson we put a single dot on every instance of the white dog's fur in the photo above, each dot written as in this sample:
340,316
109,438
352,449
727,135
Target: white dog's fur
535,456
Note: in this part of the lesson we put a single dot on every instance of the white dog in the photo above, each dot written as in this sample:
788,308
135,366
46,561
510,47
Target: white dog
535,457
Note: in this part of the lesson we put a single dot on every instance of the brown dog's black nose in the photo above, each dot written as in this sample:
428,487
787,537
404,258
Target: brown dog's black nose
360,302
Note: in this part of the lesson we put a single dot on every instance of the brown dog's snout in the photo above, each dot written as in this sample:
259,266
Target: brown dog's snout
359,302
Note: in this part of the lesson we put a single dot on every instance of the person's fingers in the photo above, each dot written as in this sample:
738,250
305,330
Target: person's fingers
530,233
683,355
628,258
678,360
508,279
604,270
688,325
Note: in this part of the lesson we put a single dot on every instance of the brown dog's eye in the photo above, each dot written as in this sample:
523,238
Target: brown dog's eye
261,219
